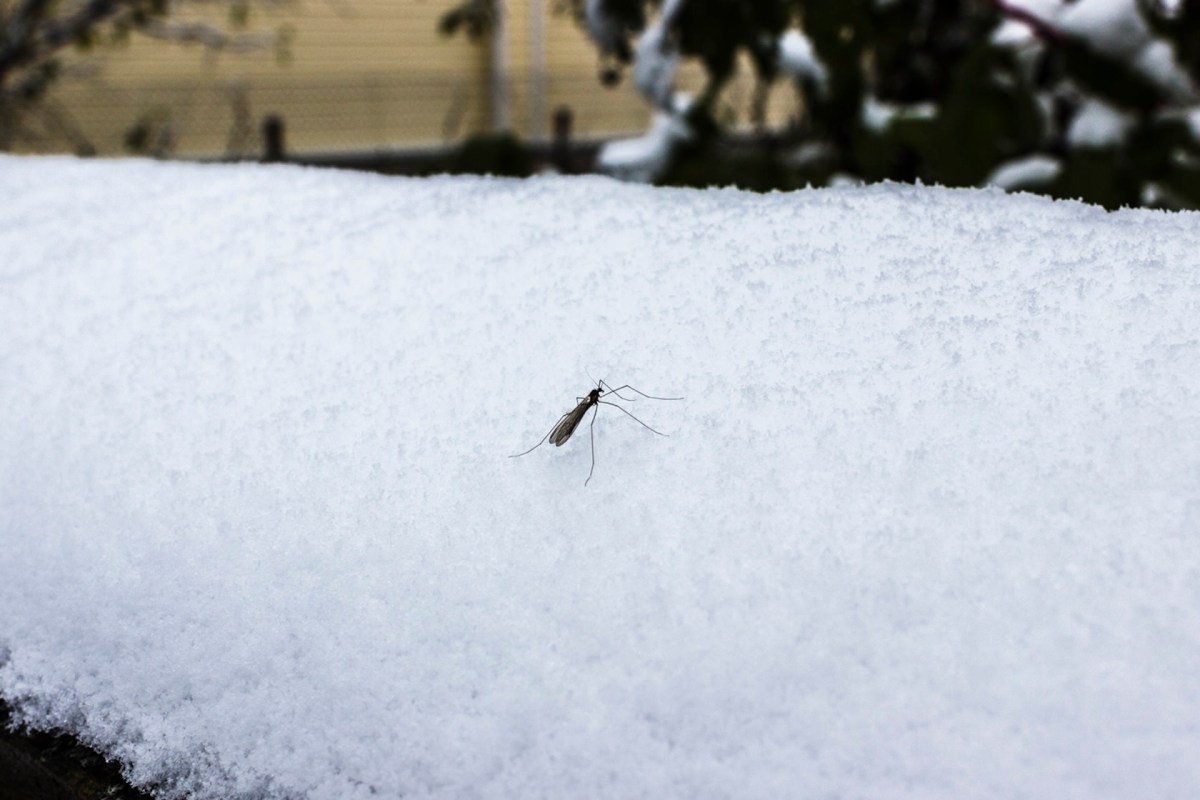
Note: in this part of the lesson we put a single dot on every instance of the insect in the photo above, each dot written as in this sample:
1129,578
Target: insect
568,422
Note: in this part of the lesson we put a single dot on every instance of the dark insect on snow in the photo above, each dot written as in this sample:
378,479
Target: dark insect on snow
568,422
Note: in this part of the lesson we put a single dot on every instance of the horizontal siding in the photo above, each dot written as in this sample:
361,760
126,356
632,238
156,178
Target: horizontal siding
364,75
372,35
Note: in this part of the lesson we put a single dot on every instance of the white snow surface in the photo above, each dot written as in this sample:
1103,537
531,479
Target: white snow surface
925,526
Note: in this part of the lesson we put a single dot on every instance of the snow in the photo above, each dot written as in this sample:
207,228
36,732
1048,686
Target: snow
1115,28
798,60
643,158
1157,61
656,58
1025,172
1098,125
924,527
877,115
655,63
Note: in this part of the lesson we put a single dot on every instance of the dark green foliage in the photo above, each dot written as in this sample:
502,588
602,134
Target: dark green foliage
1099,176
916,90
475,17
38,80
1106,77
838,32
493,154
143,138
55,766
629,17
716,30
1181,32
986,117
758,170
239,14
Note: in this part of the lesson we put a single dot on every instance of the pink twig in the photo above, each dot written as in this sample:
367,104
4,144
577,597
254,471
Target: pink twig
1041,29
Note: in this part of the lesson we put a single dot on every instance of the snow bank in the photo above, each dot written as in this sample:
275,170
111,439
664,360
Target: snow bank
925,525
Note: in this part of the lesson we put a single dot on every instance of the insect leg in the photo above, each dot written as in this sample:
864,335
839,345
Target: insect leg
635,419
643,394
544,438
592,433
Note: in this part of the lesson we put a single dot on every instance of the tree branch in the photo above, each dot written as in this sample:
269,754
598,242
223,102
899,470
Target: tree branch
1040,28
207,35
31,36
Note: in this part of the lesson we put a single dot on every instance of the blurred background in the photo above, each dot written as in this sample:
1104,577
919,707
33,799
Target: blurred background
1091,99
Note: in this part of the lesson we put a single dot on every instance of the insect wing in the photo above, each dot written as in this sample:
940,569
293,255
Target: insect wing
563,430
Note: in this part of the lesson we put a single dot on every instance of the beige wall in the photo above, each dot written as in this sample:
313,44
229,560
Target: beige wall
363,75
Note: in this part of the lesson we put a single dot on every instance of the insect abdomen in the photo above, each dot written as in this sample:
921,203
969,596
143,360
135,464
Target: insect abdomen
563,431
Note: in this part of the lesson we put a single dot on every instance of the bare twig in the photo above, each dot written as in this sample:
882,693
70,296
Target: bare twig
1040,27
